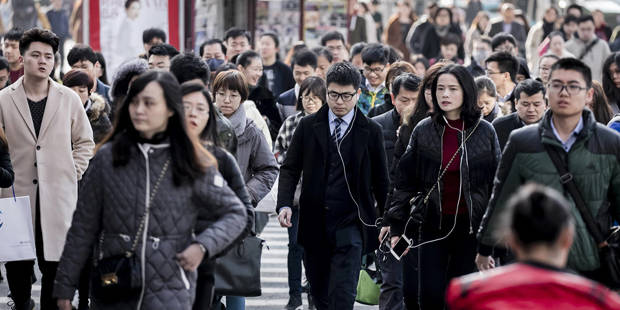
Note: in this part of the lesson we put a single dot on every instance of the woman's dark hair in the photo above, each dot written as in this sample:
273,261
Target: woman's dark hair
485,85
189,160
38,35
233,80
443,8
423,61
421,110
209,133
104,68
397,69
77,77
611,91
314,85
245,58
600,106
470,112
537,214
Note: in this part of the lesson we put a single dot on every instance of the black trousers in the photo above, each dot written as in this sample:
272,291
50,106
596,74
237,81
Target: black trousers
19,274
333,270
443,260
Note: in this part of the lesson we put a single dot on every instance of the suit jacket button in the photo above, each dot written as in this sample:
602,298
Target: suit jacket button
35,164
38,147
35,181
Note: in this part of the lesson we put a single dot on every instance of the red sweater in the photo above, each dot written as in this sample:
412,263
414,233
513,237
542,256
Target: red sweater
452,178
529,286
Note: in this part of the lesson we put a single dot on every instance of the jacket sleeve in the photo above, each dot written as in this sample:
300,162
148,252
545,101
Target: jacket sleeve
83,234
380,180
81,136
264,169
614,196
505,183
231,172
6,169
290,171
225,207
405,186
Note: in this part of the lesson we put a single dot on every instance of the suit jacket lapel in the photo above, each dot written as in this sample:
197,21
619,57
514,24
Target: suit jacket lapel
18,96
54,99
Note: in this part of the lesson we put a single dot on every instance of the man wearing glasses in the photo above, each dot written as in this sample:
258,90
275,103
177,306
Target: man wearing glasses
341,155
375,58
334,42
502,69
591,152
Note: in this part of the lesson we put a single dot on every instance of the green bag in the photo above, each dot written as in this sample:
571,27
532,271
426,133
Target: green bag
368,289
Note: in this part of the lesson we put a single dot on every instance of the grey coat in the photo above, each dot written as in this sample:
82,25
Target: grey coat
111,203
258,165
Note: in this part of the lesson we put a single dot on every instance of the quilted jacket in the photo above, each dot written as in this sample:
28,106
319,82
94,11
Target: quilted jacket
110,206
419,168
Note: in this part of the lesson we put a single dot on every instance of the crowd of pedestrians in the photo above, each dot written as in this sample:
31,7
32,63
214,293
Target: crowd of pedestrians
428,147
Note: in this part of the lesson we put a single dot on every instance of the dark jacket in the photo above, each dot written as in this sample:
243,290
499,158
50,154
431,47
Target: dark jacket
358,34
425,40
420,166
517,30
394,35
287,103
282,78
112,200
475,69
386,106
104,91
389,122
6,169
594,162
366,173
98,112
266,105
505,125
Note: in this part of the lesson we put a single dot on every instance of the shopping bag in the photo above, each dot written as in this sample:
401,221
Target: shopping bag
268,203
16,234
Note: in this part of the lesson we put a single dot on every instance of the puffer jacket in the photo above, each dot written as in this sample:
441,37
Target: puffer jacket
420,166
256,161
594,162
112,201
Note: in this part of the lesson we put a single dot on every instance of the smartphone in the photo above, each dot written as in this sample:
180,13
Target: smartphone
401,245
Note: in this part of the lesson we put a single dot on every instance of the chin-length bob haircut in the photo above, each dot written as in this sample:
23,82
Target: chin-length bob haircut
470,112
188,158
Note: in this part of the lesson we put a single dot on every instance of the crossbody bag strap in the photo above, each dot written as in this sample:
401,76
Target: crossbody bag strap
567,180
148,207
588,48
428,195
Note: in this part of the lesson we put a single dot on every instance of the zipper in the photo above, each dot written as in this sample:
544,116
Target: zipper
155,241
145,230
471,212
184,277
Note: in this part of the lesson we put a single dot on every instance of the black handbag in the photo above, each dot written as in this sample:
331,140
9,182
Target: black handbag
119,278
608,245
419,202
238,272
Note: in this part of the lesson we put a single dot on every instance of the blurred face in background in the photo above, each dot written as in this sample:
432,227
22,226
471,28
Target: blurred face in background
322,66
10,50
253,71
267,47
586,31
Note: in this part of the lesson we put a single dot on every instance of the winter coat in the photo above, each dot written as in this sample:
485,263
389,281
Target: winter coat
394,36
51,163
389,122
420,166
266,104
594,162
111,204
97,110
531,286
614,123
256,162
425,40
594,58
366,174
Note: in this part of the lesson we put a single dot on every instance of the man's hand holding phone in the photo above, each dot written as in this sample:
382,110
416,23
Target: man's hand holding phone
400,246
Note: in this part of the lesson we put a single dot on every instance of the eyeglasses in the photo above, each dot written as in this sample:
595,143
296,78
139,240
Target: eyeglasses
376,70
491,72
346,97
572,89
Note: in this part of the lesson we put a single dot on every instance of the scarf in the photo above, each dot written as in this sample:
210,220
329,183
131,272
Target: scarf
442,30
547,28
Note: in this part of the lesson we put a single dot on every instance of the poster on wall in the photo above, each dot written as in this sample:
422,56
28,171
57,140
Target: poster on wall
116,26
206,18
322,16
281,17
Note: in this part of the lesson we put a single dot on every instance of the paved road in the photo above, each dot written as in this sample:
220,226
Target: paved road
273,274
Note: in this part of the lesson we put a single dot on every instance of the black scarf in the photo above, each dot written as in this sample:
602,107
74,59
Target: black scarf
547,28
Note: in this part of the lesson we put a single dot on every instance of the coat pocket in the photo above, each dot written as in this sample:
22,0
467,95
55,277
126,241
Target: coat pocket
184,277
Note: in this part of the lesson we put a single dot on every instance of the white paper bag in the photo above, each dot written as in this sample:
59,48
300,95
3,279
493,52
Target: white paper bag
268,203
16,234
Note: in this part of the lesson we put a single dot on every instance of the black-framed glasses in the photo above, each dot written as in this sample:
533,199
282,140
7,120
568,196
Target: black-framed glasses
488,72
572,89
376,71
346,97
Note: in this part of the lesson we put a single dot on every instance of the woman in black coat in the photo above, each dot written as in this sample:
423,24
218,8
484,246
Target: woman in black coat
457,201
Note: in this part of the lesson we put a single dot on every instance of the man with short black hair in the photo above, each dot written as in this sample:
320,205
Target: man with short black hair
214,53
160,56
10,50
335,43
588,47
304,64
342,157
505,42
152,36
237,41
502,68
574,10
589,150
530,105
376,65
278,75
84,58
51,142
4,73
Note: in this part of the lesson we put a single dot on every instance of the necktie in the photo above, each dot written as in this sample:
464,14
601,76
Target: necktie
336,135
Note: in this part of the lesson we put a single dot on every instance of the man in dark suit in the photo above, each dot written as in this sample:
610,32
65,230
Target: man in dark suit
304,65
530,104
509,25
341,155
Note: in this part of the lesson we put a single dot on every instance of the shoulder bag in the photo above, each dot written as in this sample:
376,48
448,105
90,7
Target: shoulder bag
237,273
118,278
608,245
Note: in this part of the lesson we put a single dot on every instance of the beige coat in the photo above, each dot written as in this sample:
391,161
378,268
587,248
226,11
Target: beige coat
55,161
